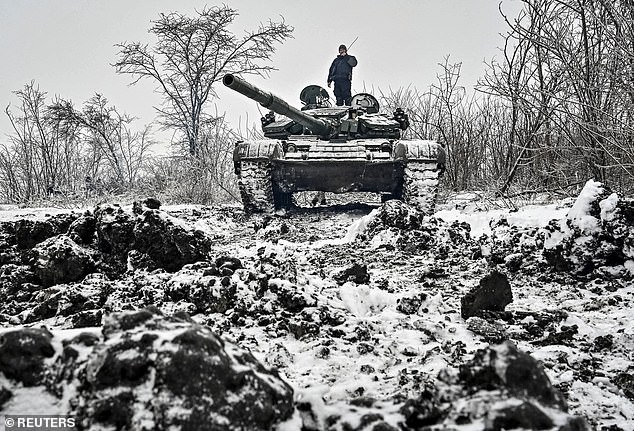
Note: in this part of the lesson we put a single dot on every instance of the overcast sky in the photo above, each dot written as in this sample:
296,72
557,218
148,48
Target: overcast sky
67,46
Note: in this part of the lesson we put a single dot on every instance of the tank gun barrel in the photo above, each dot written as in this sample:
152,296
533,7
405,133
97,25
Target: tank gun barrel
277,105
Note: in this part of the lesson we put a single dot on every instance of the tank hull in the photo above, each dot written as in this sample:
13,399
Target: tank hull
271,170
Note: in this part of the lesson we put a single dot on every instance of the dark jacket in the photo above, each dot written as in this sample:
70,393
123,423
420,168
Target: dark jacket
341,68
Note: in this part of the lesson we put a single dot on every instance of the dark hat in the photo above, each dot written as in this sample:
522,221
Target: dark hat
342,47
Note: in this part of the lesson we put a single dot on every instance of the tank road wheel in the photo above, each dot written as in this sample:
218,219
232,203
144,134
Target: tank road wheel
420,185
256,187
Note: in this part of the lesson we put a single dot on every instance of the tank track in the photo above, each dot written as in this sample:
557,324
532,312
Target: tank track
420,185
256,187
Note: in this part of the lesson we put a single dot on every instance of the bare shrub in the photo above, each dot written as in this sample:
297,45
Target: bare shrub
61,154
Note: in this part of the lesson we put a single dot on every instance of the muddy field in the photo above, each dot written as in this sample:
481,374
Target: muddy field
351,317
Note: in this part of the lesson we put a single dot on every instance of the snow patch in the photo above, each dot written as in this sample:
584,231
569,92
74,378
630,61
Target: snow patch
608,207
360,226
579,214
480,222
364,300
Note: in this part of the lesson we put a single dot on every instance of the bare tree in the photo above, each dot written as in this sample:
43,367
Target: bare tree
190,55
43,153
109,136
568,76
527,80
469,128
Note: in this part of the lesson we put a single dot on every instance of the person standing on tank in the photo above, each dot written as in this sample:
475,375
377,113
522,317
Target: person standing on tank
341,74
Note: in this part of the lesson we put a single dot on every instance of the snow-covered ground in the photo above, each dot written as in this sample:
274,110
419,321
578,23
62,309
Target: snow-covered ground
360,314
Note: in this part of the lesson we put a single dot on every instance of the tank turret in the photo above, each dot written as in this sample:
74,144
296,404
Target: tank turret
360,120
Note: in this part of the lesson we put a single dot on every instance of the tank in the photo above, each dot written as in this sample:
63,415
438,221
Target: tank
336,149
